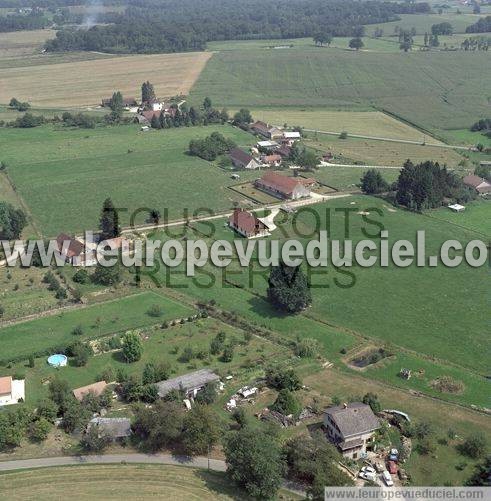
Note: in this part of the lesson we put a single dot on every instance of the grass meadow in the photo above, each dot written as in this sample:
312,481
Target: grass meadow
64,175
35,336
434,90
436,311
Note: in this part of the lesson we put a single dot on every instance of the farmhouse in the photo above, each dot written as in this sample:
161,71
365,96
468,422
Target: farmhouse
478,183
351,427
74,251
242,160
281,186
272,160
190,383
267,145
290,137
112,428
263,129
284,150
247,224
96,389
11,390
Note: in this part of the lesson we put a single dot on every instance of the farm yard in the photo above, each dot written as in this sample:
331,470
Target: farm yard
80,168
439,90
85,83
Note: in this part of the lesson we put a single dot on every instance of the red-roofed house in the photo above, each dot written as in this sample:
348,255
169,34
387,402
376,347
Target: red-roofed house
272,160
247,224
291,188
11,390
478,183
95,388
263,129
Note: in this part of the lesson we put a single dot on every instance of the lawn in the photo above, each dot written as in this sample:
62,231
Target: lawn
64,174
438,90
85,83
373,152
111,481
348,178
45,334
372,123
476,217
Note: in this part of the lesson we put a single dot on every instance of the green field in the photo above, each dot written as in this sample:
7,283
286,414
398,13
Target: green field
64,175
415,309
25,338
435,90
348,178
477,216
110,481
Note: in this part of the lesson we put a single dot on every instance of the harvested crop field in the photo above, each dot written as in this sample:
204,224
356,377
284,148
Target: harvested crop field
20,43
109,481
85,83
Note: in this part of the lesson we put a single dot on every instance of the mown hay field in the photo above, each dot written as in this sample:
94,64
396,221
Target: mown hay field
433,90
111,481
85,83
20,43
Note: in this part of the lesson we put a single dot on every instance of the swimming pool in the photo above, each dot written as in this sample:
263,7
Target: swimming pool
57,360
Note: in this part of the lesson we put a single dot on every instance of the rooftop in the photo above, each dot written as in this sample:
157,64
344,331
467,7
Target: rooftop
95,388
353,419
186,382
5,385
240,155
112,427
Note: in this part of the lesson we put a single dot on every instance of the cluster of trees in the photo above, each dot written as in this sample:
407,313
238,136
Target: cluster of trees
78,120
476,43
55,285
34,20
442,29
177,26
167,425
405,40
303,157
483,25
187,117
20,422
288,289
431,40
27,121
425,185
373,183
481,125
18,105
12,221
210,147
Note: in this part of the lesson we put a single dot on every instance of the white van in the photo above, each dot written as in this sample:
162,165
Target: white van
387,479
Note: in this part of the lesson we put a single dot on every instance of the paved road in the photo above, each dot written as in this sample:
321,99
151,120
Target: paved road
196,462
392,140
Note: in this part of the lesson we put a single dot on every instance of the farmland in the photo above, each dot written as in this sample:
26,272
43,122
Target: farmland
406,291
439,90
80,168
44,334
23,43
85,83
110,481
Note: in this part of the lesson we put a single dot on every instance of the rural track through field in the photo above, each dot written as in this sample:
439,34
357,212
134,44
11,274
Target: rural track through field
392,140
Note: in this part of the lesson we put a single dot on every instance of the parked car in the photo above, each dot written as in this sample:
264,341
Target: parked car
387,478
368,469
392,467
394,455
367,475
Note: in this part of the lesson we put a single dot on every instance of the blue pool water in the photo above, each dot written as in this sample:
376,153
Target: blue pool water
57,360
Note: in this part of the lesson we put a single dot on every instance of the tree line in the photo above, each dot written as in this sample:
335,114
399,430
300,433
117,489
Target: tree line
35,20
177,26
483,25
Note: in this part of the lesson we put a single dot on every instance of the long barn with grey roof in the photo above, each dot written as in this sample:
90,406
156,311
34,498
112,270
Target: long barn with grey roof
190,383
